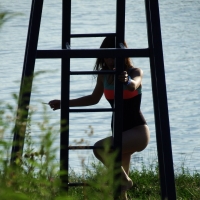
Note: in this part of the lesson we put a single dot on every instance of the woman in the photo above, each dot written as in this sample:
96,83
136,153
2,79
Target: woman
135,136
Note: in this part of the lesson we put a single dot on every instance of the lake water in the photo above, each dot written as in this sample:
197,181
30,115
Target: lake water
180,23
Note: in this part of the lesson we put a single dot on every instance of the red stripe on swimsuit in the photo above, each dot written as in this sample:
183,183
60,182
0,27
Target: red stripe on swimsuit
127,94
109,94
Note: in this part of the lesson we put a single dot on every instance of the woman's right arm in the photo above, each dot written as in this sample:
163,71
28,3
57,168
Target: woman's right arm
86,100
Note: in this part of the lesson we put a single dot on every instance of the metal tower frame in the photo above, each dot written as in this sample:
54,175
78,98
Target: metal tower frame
155,54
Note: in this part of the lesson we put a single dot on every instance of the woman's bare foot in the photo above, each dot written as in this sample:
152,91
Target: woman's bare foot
127,183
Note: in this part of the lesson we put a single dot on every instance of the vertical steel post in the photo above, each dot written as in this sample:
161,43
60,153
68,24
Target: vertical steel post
118,101
27,79
65,89
160,101
156,111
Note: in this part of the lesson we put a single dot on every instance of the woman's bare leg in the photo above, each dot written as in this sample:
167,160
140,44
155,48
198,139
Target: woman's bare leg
133,140
126,158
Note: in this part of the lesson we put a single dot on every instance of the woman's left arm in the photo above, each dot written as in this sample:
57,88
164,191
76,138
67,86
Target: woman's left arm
133,80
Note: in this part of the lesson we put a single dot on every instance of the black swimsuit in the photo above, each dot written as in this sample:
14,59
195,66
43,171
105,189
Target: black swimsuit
132,115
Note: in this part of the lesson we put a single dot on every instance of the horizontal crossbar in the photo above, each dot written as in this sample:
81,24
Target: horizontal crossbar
92,110
86,147
92,35
92,72
92,53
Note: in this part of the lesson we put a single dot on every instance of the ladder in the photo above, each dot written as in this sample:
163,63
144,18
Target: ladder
155,54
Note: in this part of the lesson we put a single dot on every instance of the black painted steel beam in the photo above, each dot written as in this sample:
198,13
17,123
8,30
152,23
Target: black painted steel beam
65,90
87,147
118,88
91,110
27,79
92,72
92,35
160,101
155,101
92,53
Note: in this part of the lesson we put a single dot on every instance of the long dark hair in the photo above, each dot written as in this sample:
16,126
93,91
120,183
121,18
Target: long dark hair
109,42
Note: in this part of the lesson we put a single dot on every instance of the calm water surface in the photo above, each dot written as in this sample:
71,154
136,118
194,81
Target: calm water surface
180,24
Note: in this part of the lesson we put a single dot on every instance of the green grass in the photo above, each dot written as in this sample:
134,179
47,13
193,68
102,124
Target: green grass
36,176
22,185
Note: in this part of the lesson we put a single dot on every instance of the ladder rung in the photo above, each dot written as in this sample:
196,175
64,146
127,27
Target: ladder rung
92,110
92,53
92,35
78,184
87,147
92,72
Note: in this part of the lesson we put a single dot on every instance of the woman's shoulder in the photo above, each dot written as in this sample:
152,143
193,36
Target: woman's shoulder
135,70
